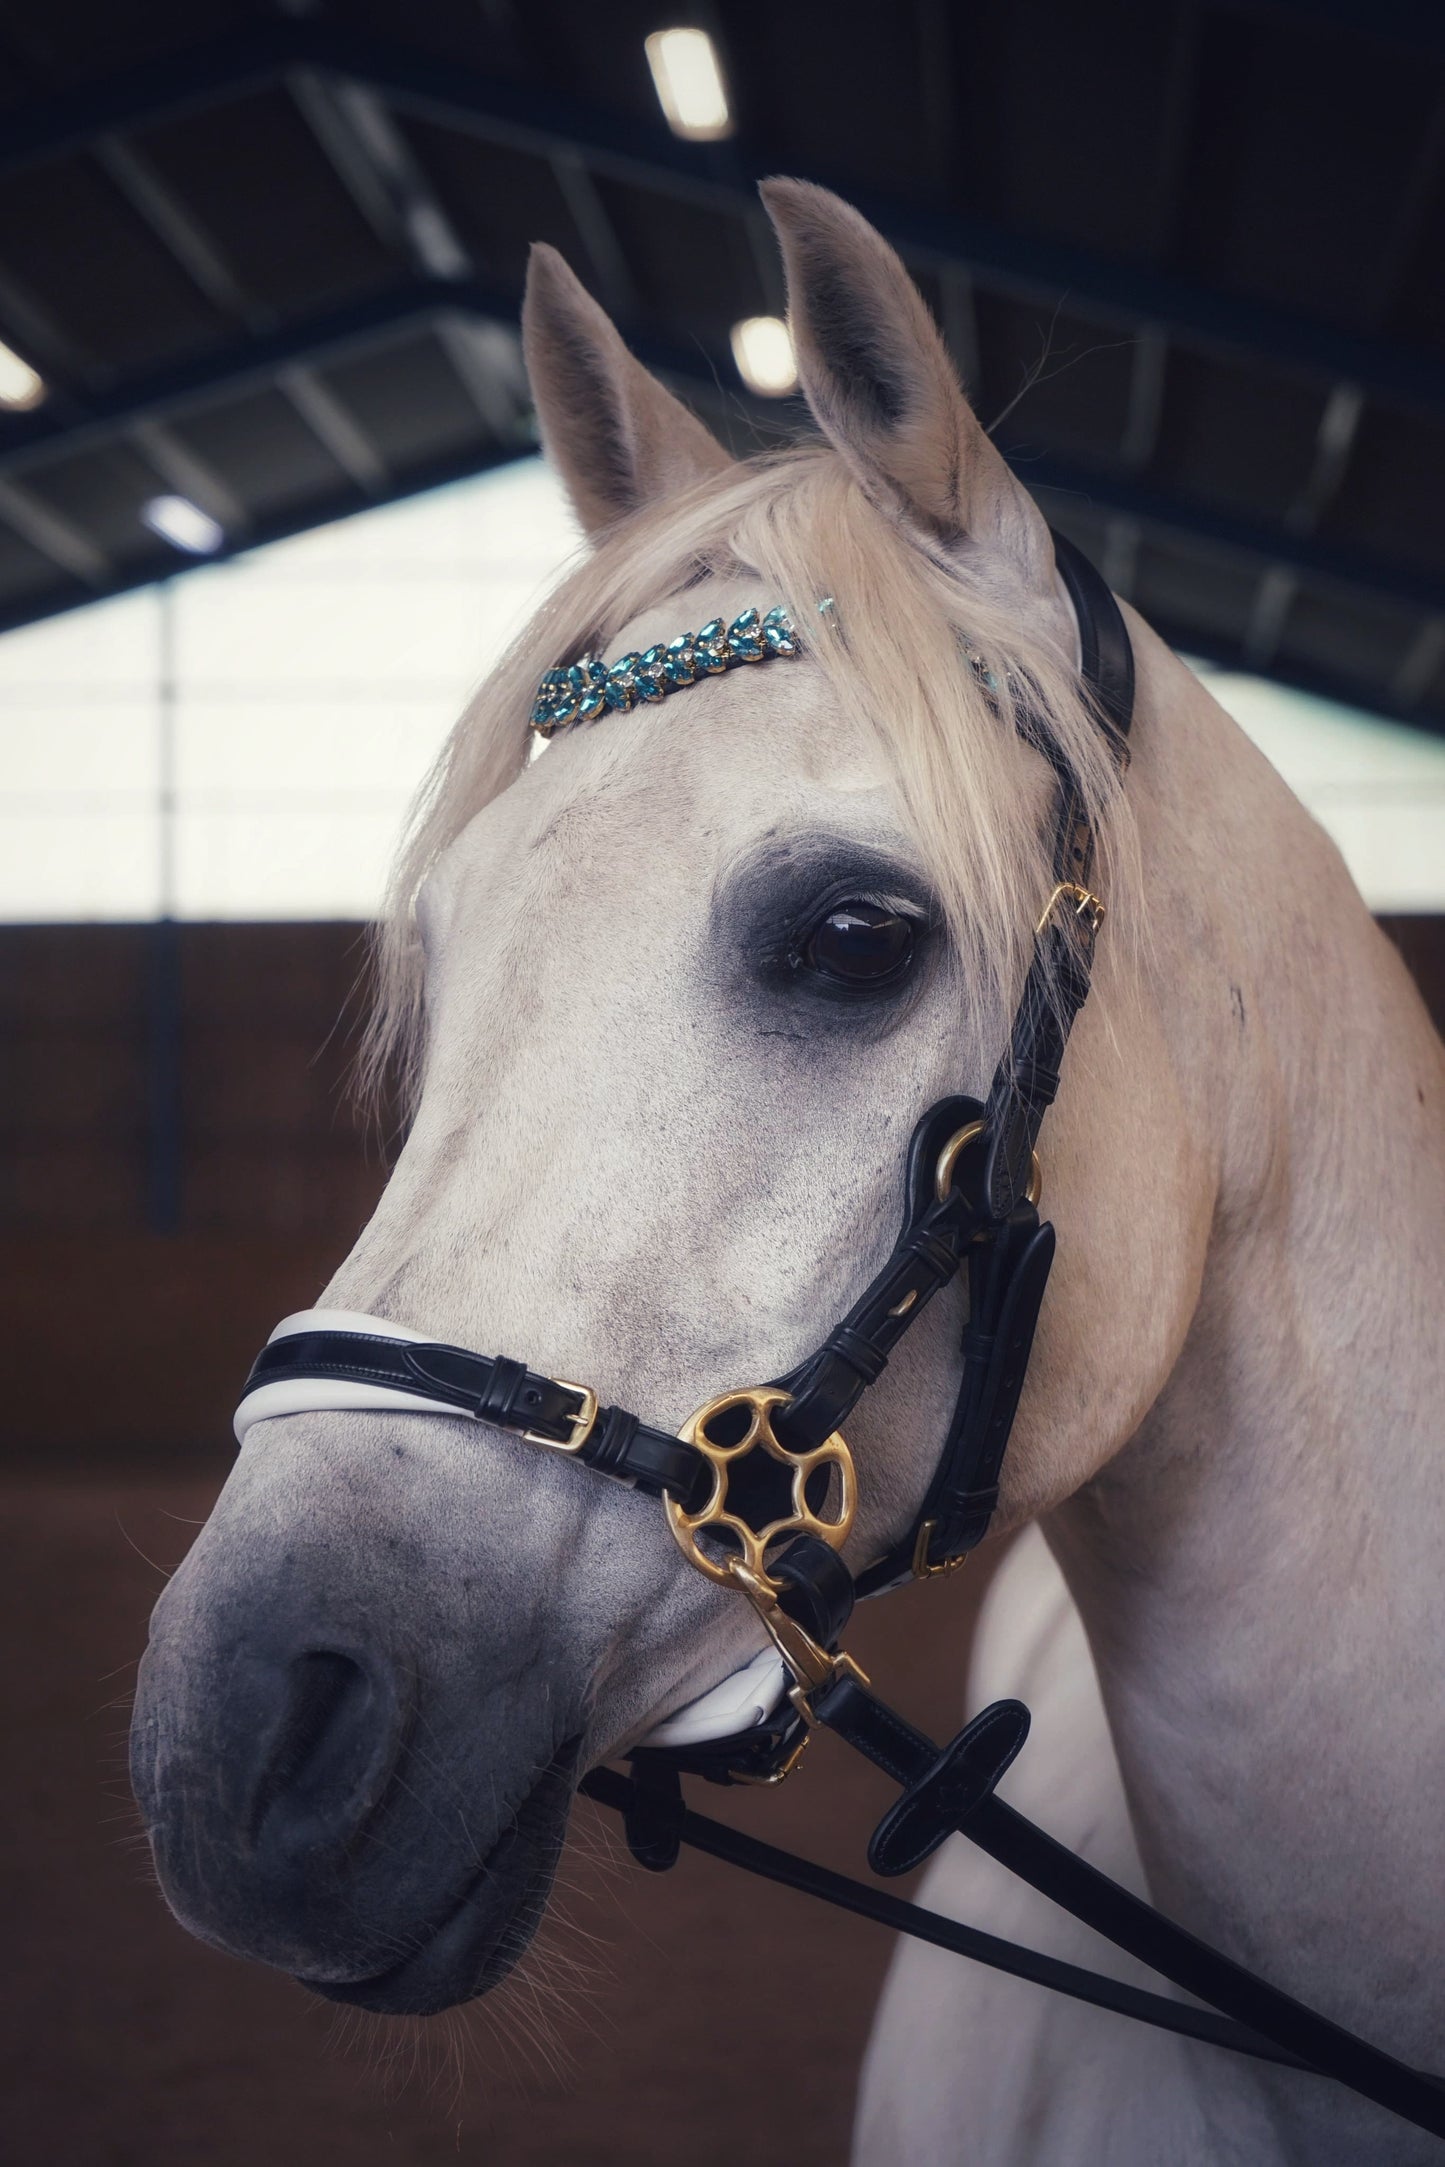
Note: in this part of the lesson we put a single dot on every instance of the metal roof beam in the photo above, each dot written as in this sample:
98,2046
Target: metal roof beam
1305,556
30,439
54,537
186,239
105,583
1146,398
1275,595
599,235
176,230
372,159
335,429
1319,684
547,124
1418,666
364,138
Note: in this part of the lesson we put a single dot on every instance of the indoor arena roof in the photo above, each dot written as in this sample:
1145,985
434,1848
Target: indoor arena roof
1188,255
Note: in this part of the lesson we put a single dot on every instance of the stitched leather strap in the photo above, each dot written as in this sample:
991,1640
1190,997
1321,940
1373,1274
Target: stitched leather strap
1287,2034
954,1790
670,1824
492,1388
926,1256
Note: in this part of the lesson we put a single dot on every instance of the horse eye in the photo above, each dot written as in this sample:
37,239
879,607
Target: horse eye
861,945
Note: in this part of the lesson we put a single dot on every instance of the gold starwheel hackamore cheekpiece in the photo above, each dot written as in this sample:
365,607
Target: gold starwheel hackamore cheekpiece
831,1525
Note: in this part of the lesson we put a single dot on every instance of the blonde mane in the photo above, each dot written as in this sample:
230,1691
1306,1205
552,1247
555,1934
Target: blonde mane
973,798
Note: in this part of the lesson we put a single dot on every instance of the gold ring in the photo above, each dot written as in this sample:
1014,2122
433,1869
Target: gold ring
949,1157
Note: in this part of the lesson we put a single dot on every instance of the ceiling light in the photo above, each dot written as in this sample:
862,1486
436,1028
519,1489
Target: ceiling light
689,84
763,351
184,525
21,387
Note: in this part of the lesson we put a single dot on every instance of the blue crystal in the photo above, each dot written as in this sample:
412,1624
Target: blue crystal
548,694
566,698
745,638
711,646
679,663
978,665
583,690
651,677
778,633
622,683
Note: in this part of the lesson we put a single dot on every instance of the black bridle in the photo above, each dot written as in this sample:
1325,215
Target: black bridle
759,1491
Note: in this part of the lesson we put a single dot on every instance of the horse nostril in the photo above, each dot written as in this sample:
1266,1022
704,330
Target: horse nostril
333,1744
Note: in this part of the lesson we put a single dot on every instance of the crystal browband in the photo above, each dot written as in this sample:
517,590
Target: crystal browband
589,688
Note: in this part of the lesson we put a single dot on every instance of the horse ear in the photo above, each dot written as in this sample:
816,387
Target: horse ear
884,392
618,439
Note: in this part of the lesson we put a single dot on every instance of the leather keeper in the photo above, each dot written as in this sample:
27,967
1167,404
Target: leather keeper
817,1588
650,1460
653,1818
859,1352
940,1800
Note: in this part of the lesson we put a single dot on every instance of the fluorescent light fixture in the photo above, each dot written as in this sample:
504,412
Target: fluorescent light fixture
689,85
21,387
184,525
763,351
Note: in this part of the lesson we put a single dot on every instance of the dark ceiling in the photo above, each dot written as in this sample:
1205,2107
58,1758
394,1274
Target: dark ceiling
1190,257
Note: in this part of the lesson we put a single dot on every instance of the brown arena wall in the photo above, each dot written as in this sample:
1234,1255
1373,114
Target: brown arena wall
247,1033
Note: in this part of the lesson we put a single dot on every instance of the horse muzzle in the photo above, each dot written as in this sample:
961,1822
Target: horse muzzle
304,1811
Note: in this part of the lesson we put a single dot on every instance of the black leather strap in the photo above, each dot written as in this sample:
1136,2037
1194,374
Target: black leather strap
1010,1254
1255,2019
954,1790
665,1824
492,1388
1131,1924
926,1256
1106,657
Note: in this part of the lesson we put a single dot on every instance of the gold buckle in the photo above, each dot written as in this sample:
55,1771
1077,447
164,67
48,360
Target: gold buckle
760,1402
949,1157
583,1420
922,1570
779,1775
1083,900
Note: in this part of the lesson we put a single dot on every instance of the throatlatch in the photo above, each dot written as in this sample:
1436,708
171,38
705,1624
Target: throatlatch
759,1487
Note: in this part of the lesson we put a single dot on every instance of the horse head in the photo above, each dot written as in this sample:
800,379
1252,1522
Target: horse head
673,995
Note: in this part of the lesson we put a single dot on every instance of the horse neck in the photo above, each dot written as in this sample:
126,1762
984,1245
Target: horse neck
1258,1568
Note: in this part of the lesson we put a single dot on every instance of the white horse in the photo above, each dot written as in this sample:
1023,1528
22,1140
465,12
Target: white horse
657,1146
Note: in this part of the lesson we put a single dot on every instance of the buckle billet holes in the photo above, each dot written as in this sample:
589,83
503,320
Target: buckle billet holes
728,1431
